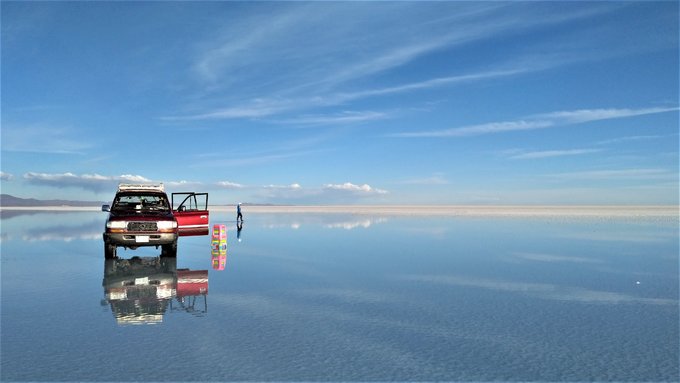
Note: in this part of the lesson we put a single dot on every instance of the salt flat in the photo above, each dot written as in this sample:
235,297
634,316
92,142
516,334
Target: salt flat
463,210
357,294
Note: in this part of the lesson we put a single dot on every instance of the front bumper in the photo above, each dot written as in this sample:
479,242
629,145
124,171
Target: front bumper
140,239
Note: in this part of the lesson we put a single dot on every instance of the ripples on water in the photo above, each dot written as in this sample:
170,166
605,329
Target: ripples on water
344,298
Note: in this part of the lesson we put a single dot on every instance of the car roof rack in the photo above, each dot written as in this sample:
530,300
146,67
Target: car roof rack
146,187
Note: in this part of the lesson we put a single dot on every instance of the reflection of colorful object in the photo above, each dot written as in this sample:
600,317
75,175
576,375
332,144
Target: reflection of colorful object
218,246
219,260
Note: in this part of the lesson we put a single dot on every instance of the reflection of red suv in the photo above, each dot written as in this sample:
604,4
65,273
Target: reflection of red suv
140,290
142,215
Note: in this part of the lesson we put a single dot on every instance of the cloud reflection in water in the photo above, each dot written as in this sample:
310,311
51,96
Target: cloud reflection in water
539,290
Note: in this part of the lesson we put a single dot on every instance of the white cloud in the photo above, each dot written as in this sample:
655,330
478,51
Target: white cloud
619,174
294,186
260,158
229,185
94,182
240,54
538,121
629,138
364,223
326,194
264,107
346,117
540,290
541,257
431,83
588,115
553,153
6,176
390,47
476,130
256,108
355,189
257,42
293,193
249,41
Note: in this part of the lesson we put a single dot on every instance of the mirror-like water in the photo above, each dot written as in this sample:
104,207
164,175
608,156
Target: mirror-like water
344,298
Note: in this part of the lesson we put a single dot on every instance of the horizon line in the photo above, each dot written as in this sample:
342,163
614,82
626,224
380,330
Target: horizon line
666,212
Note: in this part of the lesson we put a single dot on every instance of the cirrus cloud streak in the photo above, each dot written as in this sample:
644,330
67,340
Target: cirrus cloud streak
553,153
538,121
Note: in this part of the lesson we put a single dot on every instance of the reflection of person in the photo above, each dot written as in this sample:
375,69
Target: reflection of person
239,216
239,226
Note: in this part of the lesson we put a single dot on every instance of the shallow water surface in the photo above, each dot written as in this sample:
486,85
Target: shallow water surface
314,297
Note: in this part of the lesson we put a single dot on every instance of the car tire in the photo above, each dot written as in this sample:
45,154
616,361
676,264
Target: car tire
109,267
109,250
169,250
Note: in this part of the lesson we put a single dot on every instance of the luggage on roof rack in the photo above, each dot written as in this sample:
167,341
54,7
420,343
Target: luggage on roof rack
153,187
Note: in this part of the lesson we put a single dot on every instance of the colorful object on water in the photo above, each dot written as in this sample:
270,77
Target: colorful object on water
218,246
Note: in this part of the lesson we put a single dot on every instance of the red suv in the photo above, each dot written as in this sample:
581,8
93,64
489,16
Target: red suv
142,215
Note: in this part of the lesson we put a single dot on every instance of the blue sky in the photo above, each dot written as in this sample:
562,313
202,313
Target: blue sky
344,102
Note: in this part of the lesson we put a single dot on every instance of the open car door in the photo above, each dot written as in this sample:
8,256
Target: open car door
191,211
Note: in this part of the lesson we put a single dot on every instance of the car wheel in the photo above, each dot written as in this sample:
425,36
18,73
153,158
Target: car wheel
109,250
109,267
169,250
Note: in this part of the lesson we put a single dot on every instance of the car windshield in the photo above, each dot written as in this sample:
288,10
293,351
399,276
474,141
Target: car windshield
140,202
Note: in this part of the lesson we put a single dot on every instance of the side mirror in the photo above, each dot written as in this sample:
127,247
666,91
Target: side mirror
106,208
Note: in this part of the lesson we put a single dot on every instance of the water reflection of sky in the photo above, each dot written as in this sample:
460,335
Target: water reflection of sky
342,297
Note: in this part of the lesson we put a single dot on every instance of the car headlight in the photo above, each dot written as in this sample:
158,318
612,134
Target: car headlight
116,224
166,225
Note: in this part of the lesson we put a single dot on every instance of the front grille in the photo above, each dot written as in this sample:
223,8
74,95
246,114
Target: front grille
139,292
142,226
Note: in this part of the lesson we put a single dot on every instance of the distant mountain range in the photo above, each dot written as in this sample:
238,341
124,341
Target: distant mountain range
10,200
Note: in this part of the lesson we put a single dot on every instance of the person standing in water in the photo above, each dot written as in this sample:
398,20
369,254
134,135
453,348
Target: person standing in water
239,216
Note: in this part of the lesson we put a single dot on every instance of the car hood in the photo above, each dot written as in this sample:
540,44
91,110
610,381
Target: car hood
141,216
